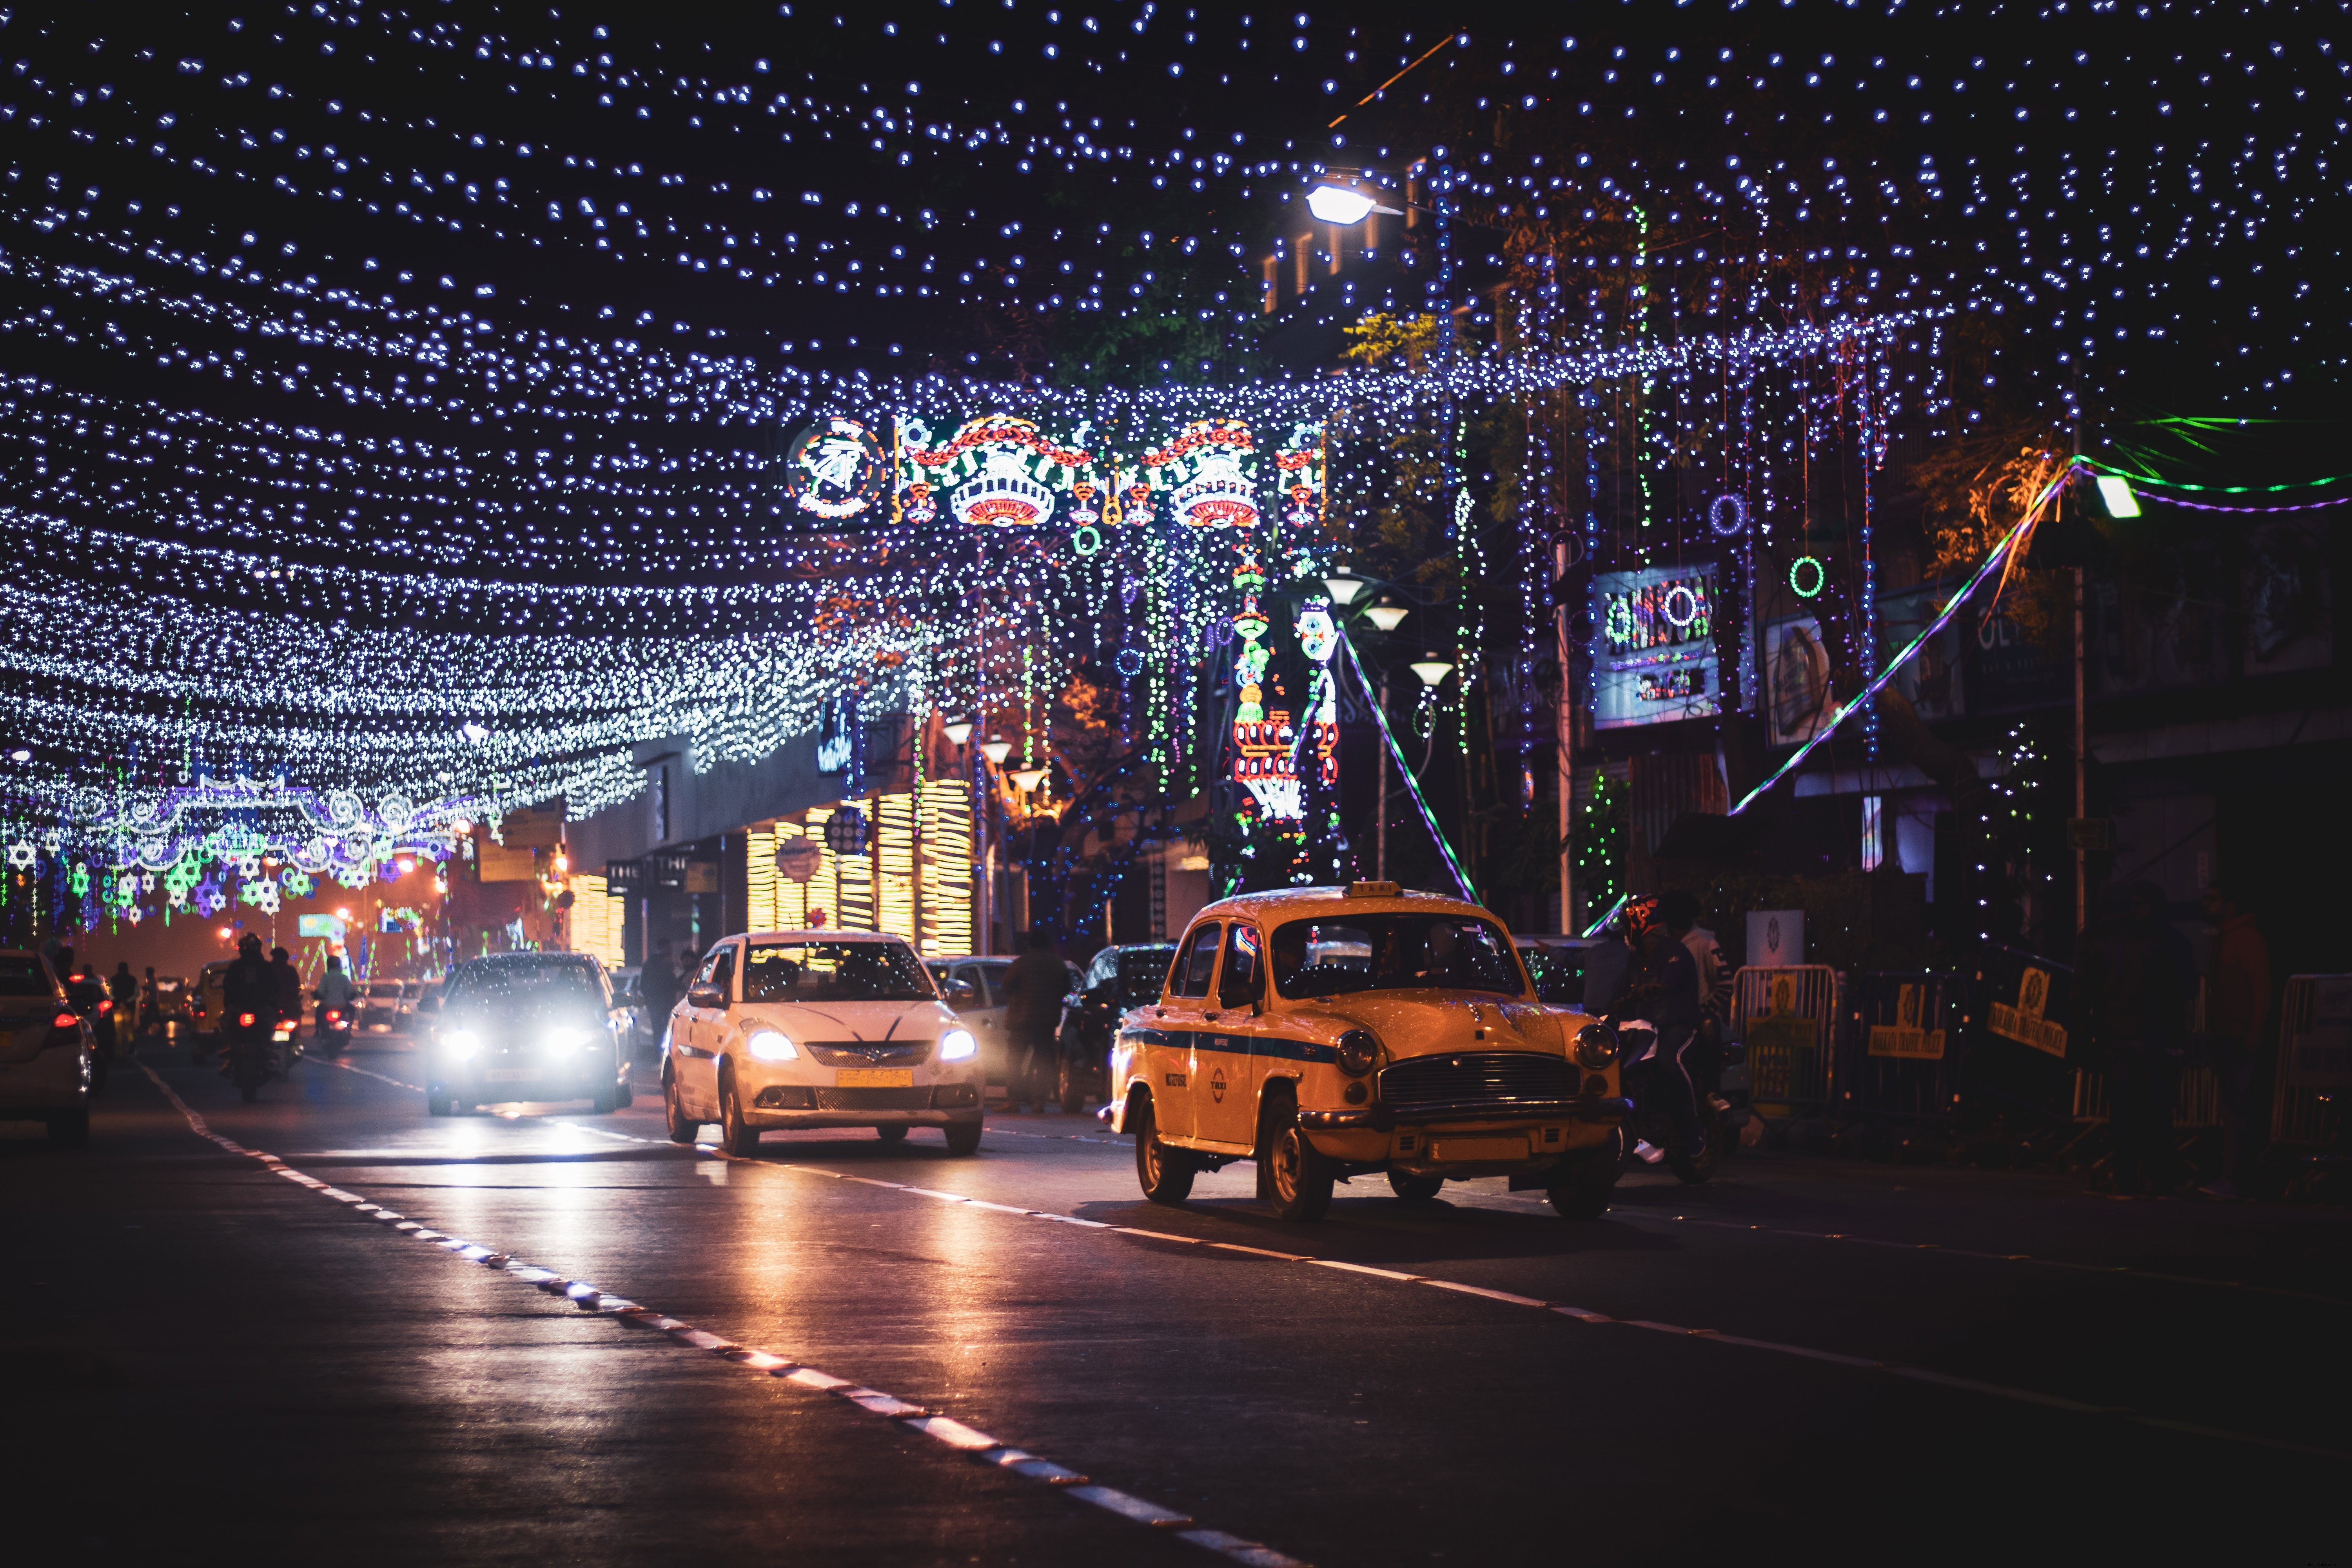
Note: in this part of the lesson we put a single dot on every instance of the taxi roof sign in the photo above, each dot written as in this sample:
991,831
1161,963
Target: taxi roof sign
1374,890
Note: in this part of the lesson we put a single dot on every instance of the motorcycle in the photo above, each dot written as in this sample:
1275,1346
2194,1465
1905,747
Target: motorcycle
1649,1132
334,1031
251,1058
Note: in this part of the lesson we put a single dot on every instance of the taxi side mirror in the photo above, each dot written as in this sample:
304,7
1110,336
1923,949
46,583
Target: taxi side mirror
707,996
958,992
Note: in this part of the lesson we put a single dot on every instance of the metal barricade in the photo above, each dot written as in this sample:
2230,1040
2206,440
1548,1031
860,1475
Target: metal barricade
2197,1103
1787,1016
2314,1062
1902,1045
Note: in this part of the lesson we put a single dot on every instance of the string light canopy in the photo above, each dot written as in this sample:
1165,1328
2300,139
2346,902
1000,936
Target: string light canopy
448,399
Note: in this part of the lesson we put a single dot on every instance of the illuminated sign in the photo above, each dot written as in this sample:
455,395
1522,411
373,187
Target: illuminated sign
1654,656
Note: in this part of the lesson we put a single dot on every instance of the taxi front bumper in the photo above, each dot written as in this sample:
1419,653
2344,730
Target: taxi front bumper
1599,1108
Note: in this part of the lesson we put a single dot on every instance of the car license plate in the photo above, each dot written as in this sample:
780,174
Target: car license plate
1467,1149
877,1078
511,1075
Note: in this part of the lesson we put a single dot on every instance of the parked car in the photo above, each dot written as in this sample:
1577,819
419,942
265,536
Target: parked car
1556,963
974,988
47,1049
526,1025
1326,1033
1117,979
820,1028
629,994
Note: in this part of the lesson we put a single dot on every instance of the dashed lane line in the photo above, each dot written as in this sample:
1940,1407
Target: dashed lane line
1808,1352
907,1415
1584,1315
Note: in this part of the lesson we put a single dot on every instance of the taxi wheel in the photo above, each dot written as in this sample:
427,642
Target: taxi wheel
733,1134
682,1127
1415,1189
1073,1089
1164,1174
1302,1177
963,1138
1580,1188
892,1132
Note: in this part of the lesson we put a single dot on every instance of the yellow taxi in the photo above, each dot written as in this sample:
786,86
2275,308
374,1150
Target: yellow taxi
1328,1033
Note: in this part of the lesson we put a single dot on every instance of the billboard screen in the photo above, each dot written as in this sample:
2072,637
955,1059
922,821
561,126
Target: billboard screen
1653,654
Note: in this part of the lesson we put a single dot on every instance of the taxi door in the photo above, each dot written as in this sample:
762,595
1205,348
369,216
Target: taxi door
1224,1095
695,1033
1173,1056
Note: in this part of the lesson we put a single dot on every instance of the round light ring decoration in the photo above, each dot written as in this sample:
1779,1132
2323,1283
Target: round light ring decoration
1690,605
1727,515
1129,662
1087,538
835,469
1797,570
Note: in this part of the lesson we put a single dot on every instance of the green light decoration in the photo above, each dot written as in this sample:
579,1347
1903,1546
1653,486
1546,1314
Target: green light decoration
1821,576
2140,475
1992,558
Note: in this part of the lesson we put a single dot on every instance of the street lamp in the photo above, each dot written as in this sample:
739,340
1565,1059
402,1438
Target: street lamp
996,751
1344,204
957,731
1343,586
1388,615
1026,780
1431,671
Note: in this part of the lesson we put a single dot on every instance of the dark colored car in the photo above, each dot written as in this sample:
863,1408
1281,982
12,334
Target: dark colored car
1118,979
526,1026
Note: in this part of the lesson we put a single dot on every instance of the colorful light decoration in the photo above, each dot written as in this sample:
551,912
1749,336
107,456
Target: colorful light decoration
1808,576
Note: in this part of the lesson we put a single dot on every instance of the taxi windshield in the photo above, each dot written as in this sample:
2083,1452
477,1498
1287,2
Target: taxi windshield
1392,952
833,972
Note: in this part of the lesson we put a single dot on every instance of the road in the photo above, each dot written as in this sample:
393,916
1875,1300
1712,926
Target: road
326,1327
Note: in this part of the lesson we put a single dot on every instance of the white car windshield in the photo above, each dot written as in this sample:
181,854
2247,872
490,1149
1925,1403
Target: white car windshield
1392,952
833,972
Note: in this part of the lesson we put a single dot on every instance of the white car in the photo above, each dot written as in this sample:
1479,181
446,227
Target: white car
45,1051
819,1028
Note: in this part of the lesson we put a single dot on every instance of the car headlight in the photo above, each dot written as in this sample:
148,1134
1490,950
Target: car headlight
957,1045
1596,1047
768,1045
563,1039
1357,1052
461,1043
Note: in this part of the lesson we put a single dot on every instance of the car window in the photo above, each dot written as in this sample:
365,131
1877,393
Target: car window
1141,972
833,972
1105,965
1199,962
518,980
1242,981
993,973
1558,975
1394,952
20,975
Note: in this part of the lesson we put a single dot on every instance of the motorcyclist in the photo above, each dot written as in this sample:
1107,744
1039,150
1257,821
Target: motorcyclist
335,991
1666,993
247,987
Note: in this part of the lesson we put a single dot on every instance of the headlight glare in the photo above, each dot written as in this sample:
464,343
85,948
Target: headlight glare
1358,1051
957,1045
461,1043
768,1045
563,1039
1596,1047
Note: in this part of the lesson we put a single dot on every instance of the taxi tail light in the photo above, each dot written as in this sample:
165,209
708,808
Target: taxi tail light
107,1006
245,1020
67,1020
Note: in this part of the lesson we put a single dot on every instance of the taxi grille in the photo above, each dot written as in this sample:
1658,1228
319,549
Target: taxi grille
870,1052
874,1099
1505,1077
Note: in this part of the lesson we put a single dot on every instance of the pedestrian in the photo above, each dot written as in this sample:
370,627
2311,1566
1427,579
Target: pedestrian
2133,985
1034,985
657,982
2237,1018
123,987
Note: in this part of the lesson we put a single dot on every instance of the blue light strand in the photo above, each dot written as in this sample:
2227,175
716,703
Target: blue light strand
1446,848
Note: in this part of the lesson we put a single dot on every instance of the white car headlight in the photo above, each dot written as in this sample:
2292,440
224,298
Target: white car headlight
957,1045
563,1039
461,1043
768,1045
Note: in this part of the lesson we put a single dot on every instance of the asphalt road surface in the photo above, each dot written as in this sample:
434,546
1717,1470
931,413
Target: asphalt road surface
325,1328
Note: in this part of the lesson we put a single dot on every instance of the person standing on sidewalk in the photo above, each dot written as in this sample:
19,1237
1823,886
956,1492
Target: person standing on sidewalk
1035,985
2237,1018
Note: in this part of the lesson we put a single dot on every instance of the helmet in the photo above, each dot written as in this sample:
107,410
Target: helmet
1640,915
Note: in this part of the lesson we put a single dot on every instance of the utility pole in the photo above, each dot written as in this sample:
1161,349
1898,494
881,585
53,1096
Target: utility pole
1381,837
1565,716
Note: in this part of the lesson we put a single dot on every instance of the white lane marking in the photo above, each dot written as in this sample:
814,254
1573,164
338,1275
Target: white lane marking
908,1417
1806,1352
